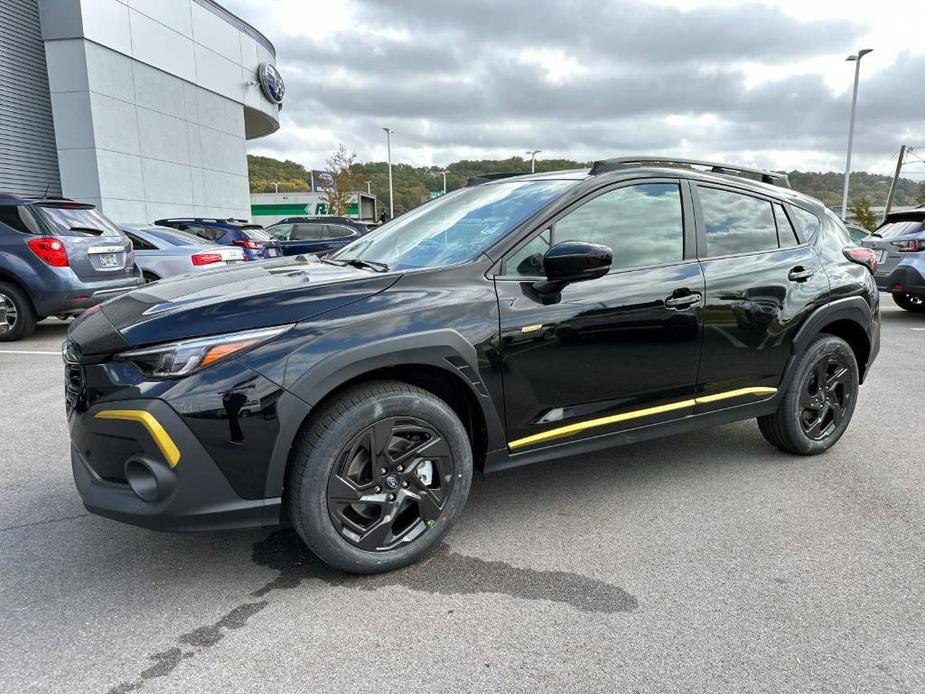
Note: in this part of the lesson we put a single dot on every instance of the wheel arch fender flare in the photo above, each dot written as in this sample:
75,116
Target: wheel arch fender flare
853,309
446,350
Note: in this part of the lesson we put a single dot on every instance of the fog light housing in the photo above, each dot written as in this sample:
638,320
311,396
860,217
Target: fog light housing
151,481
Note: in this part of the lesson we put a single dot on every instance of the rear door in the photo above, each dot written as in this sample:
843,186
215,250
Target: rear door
96,248
762,280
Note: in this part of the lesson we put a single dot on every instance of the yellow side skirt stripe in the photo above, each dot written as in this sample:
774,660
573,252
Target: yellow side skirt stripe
636,414
166,445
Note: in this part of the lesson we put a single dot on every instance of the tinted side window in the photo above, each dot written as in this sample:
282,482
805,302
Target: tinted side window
307,232
785,233
806,222
736,223
139,244
18,217
335,231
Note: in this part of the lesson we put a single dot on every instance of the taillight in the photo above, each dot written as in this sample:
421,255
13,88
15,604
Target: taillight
910,246
50,250
206,258
248,244
861,256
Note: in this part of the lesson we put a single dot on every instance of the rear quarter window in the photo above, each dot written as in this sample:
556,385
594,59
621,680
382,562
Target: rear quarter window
19,218
806,222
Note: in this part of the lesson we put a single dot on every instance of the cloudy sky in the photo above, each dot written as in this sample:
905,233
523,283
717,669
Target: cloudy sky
764,84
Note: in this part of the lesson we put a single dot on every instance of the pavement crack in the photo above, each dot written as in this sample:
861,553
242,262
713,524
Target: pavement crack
43,522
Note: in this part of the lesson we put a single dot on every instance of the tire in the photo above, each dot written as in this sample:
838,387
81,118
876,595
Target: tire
914,304
21,317
809,419
428,474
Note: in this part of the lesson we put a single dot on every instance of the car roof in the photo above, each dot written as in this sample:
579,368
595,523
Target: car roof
16,199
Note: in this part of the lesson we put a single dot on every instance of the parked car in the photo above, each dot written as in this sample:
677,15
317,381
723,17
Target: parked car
256,243
356,224
319,238
376,379
57,258
857,232
900,243
163,252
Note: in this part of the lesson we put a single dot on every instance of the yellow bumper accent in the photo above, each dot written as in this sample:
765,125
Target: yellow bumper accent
166,445
635,414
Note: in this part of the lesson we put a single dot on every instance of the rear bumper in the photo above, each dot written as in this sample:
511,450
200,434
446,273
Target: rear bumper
905,279
138,463
67,293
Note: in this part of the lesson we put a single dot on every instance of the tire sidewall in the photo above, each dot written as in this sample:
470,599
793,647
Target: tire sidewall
905,303
25,317
314,522
827,344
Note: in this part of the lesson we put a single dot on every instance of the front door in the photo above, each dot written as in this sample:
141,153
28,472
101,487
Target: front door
608,354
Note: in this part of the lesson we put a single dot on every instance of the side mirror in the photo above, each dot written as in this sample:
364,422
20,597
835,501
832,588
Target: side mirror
573,261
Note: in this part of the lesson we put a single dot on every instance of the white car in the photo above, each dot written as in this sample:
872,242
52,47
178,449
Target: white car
163,252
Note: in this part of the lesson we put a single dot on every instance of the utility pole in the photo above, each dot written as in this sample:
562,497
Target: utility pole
369,187
854,103
889,197
533,153
388,139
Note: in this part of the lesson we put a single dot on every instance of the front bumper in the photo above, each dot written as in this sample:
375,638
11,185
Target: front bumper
904,279
136,461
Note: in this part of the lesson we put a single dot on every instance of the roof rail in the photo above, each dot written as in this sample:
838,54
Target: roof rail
605,165
485,178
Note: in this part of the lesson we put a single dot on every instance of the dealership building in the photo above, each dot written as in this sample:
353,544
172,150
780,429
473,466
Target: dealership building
142,107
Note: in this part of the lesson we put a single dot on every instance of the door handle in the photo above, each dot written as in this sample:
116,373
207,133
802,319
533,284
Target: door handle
799,274
682,301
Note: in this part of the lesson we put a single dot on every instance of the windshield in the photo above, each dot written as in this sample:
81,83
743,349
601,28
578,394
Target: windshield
899,228
175,237
455,227
78,221
256,233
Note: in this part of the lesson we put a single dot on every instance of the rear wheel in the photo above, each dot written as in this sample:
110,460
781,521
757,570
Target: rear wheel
819,402
379,476
910,302
19,313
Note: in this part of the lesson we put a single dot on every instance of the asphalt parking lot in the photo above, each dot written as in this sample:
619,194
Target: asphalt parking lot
703,562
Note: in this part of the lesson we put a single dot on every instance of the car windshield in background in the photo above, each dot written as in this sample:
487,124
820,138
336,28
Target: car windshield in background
455,227
256,233
177,237
72,220
899,228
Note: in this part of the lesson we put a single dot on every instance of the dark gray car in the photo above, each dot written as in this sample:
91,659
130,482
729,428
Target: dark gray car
58,258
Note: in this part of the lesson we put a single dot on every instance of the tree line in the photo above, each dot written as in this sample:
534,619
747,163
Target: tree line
412,185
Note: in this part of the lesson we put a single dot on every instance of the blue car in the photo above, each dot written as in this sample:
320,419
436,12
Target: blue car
57,258
252,238
317,236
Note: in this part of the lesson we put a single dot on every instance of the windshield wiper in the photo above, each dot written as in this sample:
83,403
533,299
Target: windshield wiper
368,264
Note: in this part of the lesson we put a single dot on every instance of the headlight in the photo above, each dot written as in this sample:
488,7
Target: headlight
180,358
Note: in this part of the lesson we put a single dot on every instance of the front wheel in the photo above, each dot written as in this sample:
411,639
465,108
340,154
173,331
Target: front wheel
378,477
915,304
818,404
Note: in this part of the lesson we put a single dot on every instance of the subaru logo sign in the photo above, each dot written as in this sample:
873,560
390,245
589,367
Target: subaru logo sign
271,82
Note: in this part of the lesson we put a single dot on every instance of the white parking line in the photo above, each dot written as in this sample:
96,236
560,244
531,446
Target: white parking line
28,351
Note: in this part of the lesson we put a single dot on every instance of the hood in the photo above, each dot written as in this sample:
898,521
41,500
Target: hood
241,297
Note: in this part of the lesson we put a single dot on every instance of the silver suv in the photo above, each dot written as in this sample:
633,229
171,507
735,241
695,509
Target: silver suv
900,243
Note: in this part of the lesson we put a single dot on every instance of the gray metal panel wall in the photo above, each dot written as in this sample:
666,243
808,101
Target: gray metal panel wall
28,157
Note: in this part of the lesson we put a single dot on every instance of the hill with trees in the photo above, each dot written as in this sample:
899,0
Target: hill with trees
413,184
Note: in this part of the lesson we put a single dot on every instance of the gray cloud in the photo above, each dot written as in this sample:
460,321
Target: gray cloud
453,79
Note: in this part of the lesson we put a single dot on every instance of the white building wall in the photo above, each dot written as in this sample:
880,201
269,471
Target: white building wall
149,101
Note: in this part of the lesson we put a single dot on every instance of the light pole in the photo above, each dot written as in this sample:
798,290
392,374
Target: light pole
533,153
275,185
388,140
369,187
444,181
854,103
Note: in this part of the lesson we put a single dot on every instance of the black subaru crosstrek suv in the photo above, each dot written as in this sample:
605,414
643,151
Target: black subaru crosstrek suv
512,321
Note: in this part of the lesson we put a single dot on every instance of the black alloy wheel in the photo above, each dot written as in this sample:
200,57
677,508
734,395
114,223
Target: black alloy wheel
378,475
390,483
816,407
825,397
